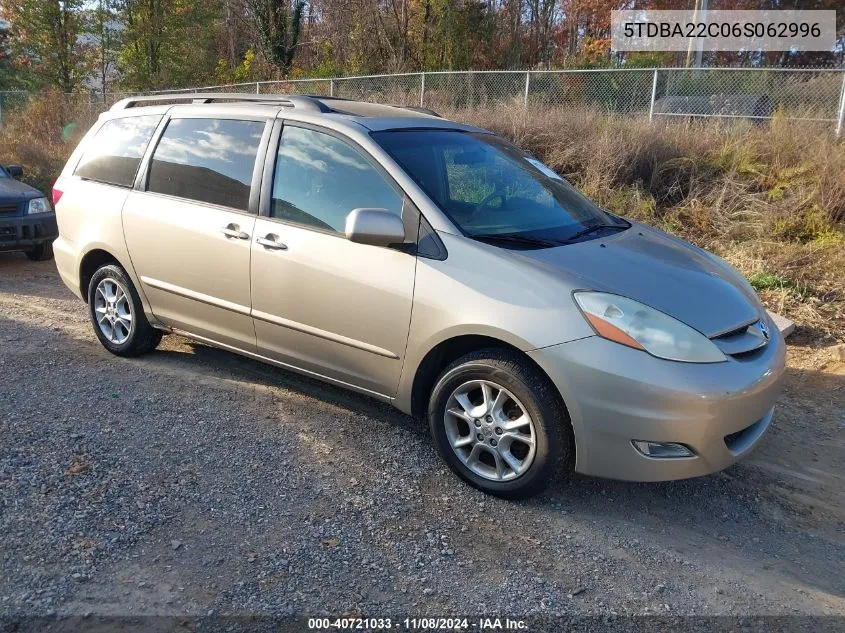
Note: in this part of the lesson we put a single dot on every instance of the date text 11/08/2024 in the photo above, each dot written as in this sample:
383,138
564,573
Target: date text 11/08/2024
418,624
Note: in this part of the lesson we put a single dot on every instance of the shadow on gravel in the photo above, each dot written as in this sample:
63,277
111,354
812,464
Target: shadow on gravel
11,259
738,517
725,519
202,357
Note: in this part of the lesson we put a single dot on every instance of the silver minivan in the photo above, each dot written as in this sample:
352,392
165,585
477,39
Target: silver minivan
425,263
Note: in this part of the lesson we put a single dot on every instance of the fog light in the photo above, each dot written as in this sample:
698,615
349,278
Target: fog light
662,450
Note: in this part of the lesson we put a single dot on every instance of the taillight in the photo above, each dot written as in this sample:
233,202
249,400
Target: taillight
57,195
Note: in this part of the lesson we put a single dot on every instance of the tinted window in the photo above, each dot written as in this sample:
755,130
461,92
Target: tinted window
319,179
115,152
210,160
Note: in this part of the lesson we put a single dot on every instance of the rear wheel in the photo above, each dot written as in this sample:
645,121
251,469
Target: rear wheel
118,315
499,423
40,253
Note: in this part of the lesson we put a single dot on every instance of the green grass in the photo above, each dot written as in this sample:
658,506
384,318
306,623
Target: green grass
769,281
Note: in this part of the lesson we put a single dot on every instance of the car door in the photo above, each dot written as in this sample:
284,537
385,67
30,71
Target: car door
321,303
188,230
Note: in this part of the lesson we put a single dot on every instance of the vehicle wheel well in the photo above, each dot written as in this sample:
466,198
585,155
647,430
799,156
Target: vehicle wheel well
90,264
445,353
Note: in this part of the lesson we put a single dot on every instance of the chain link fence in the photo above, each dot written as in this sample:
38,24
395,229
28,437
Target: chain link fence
683,93
743,93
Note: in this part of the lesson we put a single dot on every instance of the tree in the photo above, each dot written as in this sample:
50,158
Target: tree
8,76
107,40
541,20
45,35
278,24
168,42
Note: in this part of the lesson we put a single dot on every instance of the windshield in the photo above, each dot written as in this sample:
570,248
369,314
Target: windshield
493,190
3,173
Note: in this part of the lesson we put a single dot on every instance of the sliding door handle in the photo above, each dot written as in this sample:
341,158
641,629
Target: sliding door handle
271,241
234,230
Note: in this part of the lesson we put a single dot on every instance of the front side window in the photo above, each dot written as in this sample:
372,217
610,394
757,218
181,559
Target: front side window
208,160
114,153
493,191
319,179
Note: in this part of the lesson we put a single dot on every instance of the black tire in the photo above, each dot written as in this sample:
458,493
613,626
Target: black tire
40,253
143,337
540,399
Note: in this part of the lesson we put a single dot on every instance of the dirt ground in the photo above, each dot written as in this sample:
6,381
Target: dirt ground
194,481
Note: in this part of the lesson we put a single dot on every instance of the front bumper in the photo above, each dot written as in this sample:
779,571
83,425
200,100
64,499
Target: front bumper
23,232
616,394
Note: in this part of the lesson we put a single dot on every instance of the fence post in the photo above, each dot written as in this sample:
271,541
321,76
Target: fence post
331,87
422,90
257,88
841,118
653,95
527,84
470,90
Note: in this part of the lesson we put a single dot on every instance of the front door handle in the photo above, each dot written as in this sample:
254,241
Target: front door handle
234,230
271,241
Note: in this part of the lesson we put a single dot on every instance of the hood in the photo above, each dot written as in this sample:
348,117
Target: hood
15,191
660,271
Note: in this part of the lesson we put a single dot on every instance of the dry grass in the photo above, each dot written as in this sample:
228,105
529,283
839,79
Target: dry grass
769,199
42,135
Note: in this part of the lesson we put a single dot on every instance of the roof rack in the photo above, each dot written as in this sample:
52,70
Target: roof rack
307,103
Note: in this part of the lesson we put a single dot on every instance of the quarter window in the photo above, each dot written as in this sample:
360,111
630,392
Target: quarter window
115,151
319,179
208,160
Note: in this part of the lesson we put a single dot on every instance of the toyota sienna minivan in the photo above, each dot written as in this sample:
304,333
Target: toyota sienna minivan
426,263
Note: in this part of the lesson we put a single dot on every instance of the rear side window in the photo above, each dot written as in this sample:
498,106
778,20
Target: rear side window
208,160
115,152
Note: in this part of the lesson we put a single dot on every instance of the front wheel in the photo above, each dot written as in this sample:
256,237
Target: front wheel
499,423
40,253
118,315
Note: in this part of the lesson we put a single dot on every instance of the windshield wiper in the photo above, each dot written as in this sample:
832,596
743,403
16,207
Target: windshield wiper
516,239
593,229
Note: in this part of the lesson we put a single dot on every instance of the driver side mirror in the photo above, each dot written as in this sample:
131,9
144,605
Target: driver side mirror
376,227
15,171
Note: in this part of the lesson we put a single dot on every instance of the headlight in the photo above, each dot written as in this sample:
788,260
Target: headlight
636,325
38,205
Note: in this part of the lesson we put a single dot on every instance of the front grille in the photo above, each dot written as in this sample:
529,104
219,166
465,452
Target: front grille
741,341
9,209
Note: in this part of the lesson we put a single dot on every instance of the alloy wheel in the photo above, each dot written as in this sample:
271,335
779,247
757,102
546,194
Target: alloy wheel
113,311
490,430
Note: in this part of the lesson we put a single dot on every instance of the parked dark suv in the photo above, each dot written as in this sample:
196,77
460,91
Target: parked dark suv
27,219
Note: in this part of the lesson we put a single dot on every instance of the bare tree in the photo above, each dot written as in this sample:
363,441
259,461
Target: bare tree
103,28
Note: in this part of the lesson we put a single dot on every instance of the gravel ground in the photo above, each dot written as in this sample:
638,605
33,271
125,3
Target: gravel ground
193,481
